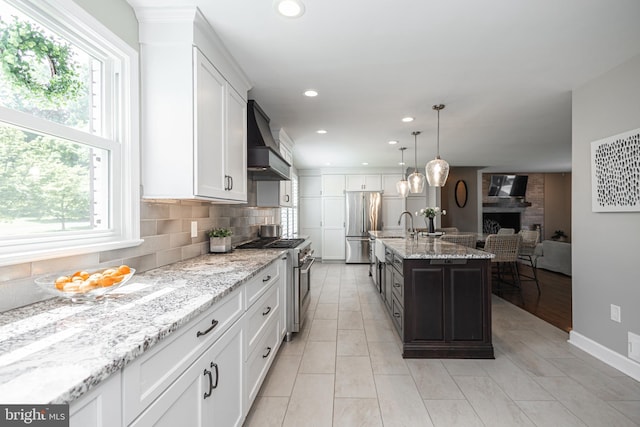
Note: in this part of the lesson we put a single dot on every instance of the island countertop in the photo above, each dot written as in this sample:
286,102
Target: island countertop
55,351
431,248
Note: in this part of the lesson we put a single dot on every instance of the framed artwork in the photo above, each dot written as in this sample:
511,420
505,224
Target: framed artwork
615,173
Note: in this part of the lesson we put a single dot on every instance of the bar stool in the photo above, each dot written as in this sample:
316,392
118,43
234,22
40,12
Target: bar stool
505,247
530,239
468,240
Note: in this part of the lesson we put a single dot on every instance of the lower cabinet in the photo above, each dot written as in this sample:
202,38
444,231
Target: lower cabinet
210,392
102,406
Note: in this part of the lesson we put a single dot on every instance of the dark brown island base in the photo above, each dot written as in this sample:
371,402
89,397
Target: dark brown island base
438,295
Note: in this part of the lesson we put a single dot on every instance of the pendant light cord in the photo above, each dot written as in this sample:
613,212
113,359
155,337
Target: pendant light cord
438,108
415,148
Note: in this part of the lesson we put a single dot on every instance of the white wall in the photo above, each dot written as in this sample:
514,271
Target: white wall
606,246
116,15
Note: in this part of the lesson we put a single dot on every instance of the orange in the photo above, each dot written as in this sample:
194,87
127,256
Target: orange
124,269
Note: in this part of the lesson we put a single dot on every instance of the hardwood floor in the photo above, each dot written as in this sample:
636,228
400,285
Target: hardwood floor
552,305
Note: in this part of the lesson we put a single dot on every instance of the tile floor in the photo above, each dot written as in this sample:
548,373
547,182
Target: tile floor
345,369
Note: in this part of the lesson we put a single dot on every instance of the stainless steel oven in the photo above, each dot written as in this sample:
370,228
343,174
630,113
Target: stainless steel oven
297,274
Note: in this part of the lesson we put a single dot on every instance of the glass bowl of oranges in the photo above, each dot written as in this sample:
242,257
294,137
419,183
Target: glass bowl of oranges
86,285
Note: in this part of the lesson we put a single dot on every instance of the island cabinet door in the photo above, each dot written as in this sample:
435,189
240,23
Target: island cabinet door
447,303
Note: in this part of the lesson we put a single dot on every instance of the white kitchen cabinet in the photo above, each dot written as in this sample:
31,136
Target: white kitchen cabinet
100,407
333,244
363,183
210,392
310,214
310,186
392,207
389,185
193,111
333,185
333,231
274,194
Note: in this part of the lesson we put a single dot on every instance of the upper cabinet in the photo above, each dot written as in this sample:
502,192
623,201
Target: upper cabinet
363,183
333,185
194,110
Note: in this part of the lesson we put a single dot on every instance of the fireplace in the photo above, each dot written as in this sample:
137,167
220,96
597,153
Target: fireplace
493,221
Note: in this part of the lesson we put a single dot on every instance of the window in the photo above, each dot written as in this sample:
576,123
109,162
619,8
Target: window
68,134
289,216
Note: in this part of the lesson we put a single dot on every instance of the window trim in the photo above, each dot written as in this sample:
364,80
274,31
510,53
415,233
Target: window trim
78,24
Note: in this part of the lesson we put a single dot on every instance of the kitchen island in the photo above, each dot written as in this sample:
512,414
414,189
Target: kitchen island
438,295
144,340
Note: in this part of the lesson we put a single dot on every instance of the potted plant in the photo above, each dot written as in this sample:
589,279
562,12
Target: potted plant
560,236
220,240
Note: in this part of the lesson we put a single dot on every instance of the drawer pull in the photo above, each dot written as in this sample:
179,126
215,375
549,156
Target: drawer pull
215,367
214,323
208,393
264,356
267,312
396,314
266,279
396,285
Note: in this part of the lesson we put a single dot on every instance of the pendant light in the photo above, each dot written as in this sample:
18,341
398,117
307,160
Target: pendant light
416,179
437,169
403,185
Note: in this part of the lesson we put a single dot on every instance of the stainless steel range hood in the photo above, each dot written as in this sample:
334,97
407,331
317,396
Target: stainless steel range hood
264,162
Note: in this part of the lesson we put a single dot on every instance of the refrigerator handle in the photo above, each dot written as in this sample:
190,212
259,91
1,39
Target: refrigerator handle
364,212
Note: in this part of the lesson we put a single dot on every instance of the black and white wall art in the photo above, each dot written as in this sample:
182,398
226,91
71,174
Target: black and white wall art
615,173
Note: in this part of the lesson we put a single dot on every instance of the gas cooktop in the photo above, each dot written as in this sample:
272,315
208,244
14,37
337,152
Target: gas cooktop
271,243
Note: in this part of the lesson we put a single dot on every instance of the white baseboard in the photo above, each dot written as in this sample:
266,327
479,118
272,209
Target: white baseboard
608,356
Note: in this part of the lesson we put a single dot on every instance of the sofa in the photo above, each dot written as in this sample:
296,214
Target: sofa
554,256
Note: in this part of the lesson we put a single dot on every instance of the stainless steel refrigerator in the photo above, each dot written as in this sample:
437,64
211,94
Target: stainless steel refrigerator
364,213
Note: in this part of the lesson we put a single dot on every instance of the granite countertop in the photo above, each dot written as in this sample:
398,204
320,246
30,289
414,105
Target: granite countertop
432,248
54,351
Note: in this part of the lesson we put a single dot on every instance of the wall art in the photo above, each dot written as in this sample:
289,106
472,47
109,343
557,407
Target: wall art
615,173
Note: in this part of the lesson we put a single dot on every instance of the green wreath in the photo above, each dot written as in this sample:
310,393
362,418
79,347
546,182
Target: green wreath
23,48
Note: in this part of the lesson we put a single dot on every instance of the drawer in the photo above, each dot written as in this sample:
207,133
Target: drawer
397,286
145,378
261,358
397,264
397,316
258,284
260,314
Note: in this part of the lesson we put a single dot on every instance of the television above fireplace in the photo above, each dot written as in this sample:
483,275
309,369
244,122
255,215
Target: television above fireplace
508,186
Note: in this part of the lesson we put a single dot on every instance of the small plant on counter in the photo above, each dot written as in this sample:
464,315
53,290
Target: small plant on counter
219,240
220,232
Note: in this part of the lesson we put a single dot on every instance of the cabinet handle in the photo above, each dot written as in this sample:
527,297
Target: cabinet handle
264,356
287,198
396,314
267,312
214,323
266,279
226,183
208,393
214,366
231,181
396,285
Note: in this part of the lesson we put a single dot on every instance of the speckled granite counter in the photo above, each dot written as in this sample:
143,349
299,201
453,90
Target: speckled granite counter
55,351
432,248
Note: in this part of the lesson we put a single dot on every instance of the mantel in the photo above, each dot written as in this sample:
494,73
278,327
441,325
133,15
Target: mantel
506,205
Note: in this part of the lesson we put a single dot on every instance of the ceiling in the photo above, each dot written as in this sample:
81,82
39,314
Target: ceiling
504,69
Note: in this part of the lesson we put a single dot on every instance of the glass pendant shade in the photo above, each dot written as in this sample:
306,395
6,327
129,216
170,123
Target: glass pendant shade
416,179
403,187
437,169
416,182
437,172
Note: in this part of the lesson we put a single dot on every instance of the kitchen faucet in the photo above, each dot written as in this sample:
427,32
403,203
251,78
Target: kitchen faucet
411,230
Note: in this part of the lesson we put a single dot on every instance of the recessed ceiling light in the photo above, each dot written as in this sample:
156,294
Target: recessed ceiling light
310,93
289,8
393,142
321,131
407,119
365,164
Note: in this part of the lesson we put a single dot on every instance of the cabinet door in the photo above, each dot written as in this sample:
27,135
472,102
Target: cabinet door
210,93
354,182
333,244
315,235
286,194
392,207
310,186
333,185
372,183
192,400
310,209
425,304
102,406
333,212
236,146
389,185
